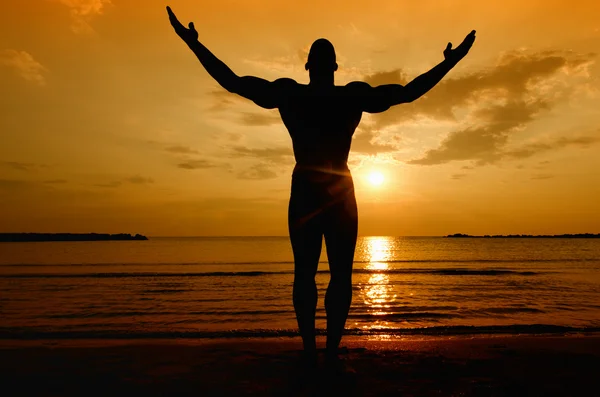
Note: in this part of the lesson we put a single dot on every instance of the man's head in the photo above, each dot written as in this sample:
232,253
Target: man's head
321,58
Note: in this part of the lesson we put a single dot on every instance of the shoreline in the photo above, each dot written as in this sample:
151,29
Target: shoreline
350,341
498,365
281,333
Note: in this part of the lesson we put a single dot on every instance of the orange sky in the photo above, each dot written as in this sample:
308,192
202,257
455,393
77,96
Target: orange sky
110,124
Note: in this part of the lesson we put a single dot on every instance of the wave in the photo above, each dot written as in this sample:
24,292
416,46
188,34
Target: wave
559,260
449,272
399,316
529,329
511,310
394,313
150,313
445,272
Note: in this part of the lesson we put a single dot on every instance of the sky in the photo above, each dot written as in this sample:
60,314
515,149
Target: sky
109,123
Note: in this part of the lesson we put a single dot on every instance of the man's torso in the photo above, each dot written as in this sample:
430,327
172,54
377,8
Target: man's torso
321,123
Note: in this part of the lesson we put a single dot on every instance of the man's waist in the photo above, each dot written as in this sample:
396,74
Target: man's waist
320,174
335,167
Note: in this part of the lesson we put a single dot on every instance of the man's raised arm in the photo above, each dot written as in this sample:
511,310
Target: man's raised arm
380,98
264,93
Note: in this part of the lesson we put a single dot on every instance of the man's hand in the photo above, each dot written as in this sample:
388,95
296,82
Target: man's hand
188,35
459,52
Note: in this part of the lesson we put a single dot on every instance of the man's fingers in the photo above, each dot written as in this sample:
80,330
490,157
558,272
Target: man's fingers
174,21
172,16
471,36
449,47
170,12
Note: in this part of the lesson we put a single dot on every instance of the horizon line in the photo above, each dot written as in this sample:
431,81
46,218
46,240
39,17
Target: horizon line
385,235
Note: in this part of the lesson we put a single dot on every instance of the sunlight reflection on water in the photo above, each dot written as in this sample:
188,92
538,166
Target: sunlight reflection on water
378,291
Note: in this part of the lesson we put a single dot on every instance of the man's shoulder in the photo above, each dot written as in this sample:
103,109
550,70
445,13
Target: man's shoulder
286,82
357,86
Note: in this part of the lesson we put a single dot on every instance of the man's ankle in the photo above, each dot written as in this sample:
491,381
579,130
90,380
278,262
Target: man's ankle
331,353
310,359
310,347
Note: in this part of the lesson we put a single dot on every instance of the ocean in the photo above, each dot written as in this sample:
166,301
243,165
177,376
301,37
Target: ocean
214,287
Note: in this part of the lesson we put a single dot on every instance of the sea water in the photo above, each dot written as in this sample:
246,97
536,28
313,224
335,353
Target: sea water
242,286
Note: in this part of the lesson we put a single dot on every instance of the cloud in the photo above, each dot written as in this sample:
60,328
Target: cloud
23,166
458,176
283,65
24,65
181,149
396,76
488,147
272,161
279,155
199,164
259,119
13,184
82,11
135,180
224,99
16,185
258,172
514,77
56,181
532,149
139,180
186,157
112,184
364,141
542,176
502,101
16,165
172,147
483,143
464,145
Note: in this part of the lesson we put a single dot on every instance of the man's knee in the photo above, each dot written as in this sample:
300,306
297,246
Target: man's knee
304,280
341,279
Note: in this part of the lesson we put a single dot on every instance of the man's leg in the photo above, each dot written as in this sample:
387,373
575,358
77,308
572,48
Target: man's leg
340,239
306,237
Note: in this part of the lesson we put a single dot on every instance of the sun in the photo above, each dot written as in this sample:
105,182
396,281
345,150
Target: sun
376,178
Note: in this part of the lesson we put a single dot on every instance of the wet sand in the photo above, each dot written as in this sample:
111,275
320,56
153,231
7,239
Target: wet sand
451,366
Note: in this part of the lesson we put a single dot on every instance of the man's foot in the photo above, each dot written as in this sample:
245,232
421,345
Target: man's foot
309,360
336,367
338,377
304,371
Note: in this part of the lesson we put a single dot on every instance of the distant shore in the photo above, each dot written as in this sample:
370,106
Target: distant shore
25,237
580,235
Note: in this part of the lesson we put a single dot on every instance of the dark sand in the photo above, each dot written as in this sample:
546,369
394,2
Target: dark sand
459,366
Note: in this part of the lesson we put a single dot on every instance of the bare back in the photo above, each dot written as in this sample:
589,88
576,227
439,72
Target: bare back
321,122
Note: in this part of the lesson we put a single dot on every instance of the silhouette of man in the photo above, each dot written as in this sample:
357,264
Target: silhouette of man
321,118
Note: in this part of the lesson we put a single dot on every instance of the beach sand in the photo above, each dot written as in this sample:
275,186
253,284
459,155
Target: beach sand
450,366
